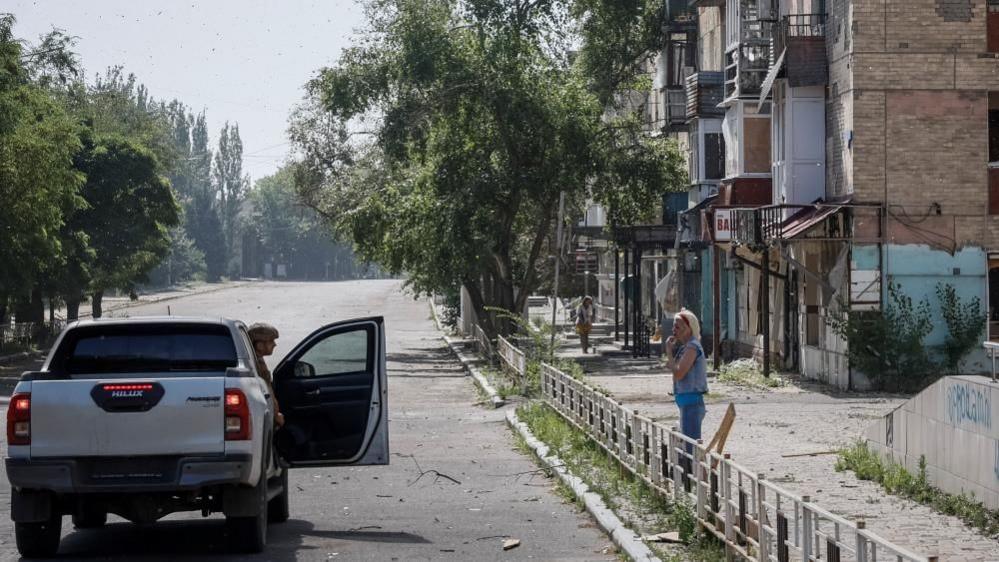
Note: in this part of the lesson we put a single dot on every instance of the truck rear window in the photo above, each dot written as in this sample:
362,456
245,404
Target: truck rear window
142,348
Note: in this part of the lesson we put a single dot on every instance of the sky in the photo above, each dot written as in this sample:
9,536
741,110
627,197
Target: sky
242,61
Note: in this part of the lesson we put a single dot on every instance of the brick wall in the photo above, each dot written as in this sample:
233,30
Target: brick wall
839,100
934,26
910,79
937,150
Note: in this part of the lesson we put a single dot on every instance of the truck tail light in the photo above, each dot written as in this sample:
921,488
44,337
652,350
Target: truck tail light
237,415
19,419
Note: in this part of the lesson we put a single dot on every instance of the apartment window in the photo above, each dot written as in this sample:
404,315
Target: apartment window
714,156
992,26
993,167
994,297
707,151
681,56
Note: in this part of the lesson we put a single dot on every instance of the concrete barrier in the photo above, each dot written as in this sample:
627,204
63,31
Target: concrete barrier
954,424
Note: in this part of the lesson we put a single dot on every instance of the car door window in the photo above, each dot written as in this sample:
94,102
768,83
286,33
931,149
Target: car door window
340,354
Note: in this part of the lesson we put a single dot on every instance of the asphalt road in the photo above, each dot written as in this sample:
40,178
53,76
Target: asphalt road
373,513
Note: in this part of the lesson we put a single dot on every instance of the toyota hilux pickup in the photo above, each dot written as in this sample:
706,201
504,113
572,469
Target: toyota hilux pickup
143,417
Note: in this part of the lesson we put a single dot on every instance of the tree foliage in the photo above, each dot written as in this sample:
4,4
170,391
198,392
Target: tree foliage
129,211
888,346
230,187
38,183
441,142
293,234
966,321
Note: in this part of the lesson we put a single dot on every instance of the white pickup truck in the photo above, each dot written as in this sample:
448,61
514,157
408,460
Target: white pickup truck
143,417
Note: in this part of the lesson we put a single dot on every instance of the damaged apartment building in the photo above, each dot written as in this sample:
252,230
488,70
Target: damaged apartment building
836,148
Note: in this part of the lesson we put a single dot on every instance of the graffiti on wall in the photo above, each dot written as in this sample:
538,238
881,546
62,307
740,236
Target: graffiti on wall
969,403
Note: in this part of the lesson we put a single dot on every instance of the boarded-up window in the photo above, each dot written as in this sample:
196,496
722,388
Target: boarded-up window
757,146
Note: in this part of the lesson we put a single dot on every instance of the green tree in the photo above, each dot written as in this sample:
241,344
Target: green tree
130,208
203,222
888,345
475,123
230,188
38,183
183,261
966,321
292,233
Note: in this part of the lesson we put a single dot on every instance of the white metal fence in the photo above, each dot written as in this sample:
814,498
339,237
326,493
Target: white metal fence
512,359
483,345
756,519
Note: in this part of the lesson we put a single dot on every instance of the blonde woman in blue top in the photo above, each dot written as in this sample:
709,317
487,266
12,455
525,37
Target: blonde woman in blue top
685,357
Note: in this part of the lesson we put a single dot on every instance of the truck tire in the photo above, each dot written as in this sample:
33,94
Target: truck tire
39,540
278,508
249,534
90,516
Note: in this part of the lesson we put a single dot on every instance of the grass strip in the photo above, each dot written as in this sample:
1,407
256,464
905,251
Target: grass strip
640,507
897,480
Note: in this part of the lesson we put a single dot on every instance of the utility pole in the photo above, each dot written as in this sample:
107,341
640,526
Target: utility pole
558,259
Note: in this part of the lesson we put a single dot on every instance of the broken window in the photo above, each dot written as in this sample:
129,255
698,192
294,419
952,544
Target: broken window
994,297
993,153
992,26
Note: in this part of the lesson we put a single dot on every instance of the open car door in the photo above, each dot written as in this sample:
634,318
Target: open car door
332,390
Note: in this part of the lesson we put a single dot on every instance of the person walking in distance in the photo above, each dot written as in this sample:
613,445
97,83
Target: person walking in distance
584,322
685,357
264,336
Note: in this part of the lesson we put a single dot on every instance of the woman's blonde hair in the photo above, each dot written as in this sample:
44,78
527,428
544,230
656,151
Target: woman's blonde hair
692,322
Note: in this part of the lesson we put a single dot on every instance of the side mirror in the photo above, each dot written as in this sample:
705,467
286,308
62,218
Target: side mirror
304,370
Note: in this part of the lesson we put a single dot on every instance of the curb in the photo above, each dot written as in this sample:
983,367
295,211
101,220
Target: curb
468,363
626,539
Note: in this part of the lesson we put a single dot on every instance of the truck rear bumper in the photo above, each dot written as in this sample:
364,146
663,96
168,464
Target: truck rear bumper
128,474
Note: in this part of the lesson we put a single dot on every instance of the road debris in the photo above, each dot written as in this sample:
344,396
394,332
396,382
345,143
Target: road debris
670,537
511,543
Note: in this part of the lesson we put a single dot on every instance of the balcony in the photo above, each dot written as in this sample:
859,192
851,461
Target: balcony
802,37
771,224
705,90
749,52
680,15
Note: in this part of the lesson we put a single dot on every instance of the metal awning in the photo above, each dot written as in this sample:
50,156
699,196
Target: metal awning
768,82
806,219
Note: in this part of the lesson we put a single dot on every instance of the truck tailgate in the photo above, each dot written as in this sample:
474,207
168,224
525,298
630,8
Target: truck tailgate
99,417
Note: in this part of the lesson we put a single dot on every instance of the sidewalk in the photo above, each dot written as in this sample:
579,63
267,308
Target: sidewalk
801,418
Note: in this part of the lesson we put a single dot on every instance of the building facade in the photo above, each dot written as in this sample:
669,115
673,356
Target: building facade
837,149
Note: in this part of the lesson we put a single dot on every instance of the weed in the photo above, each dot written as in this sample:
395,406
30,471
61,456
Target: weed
897,480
